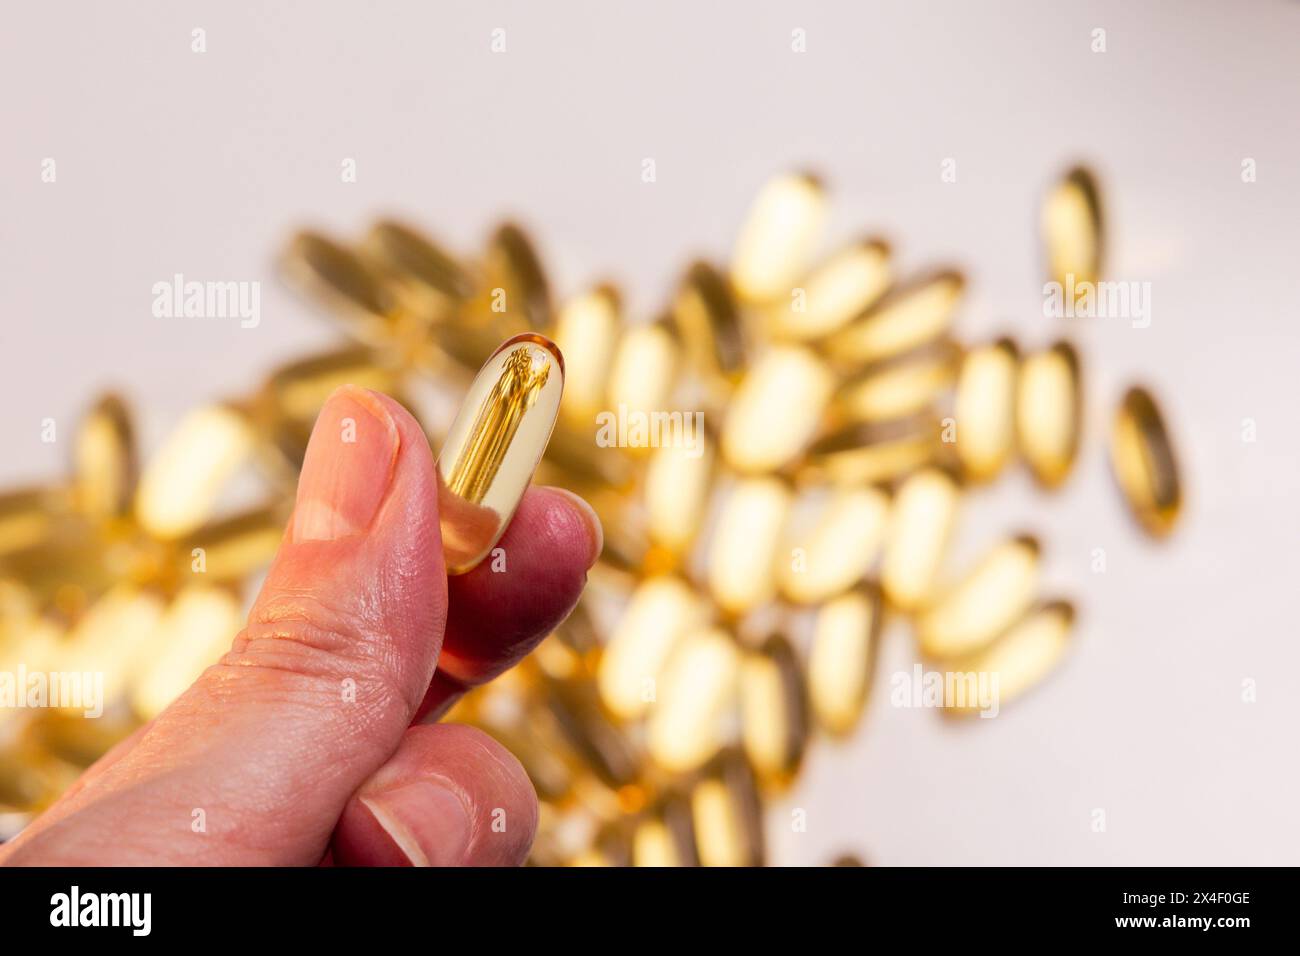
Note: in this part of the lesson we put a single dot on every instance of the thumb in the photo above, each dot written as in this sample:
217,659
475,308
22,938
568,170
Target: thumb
269,744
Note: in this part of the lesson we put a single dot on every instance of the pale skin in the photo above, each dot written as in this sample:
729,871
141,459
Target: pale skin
269,750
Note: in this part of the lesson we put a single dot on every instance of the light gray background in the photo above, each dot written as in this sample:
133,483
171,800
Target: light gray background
169,161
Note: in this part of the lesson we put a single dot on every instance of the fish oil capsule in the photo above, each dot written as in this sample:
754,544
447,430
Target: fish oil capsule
842,658
694,708
840,547
776,409
196,629
235,547
1072,229
343,281
873,453
925,510
985,409
429,281
982,605
906,318
1048,412
677,483
777,239
743,553
587,331
514,290
1142,458
773,711
905,386
105,460
110,638
664,837
834,294
726,814
1021,657
641,383
181,484
494,446
661,611
705,314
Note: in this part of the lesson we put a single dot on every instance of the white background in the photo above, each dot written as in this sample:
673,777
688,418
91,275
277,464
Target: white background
169,161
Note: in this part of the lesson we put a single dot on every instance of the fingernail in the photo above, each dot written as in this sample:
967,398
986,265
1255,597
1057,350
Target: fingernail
593,522
426,822
347,469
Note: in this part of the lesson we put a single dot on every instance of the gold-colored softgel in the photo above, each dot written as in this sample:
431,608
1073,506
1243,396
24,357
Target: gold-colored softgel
495,444
1144,464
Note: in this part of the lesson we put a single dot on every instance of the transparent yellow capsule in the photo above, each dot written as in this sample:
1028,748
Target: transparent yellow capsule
842,658
104,460
839,547
108,640
776,409
235,547
705,314
744,549
988,600
297,391
726,815
773,711
695,701
664,837
574,706
1021,657
924,513
777,239
429,281
343,281
677,483
661,611
1048,412
898,388
494,445
1072,229
906,318
834,294
985,409
1145,466
641,383
196,630
873,453
587,332
28,517
514,292
181,484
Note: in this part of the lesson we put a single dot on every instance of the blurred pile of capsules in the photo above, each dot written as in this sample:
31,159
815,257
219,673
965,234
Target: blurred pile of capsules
752,553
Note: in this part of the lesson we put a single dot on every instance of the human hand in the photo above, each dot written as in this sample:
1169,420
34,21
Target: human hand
312,739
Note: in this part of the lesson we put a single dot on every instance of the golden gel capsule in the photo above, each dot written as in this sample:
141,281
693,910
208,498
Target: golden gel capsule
727,814
665,837
514,290
428,281
776,409
778,237
180,486
985,409
1144,463
708,322
28,517
646,365
982,605
838,549
587,332
842,658
105,460
494,446
343,281
925,510
110,637
901,387
744,549
1048,412
1022,656
694,709
235,547
1072,230
677,483
773,711
907,318
660,612
873,453
197,628
835,294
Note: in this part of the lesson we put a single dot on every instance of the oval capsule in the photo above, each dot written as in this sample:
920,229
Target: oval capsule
840,546
494,446
988,600
777,239
985,409
1020,658
906,318
343,281
695,701
660,612
105,460
907,385
641,382
677,482
196,629
429,281
708,322
776,409
1142,458
743,553
587,331
1048,412
842,658
773,711
834,294
925,511
864,454
727,814
1072,230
